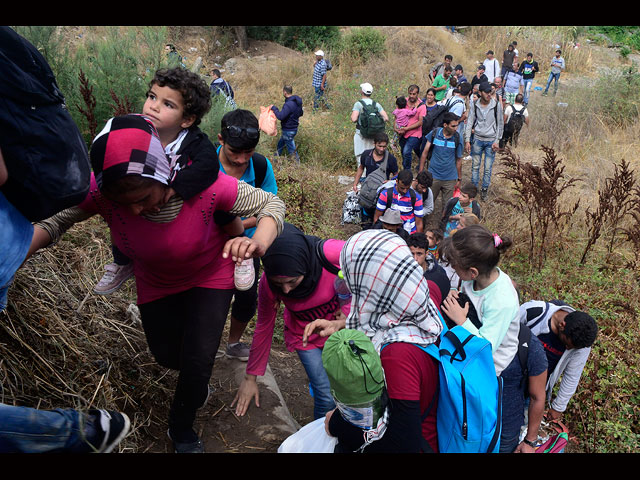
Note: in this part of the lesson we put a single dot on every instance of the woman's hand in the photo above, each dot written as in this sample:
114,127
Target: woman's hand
453,309
248,390
323,328
241,248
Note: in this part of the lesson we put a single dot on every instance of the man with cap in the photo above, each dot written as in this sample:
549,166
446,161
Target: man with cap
486,121
360,142
319,81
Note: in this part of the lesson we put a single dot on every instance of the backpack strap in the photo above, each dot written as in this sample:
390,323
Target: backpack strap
326,264
542,315
259,168
524,337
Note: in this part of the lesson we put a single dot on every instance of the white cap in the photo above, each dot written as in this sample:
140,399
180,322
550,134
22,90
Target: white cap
320,53
366,88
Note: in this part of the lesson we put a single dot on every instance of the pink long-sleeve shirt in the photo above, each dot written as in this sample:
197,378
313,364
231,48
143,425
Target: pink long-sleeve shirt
175,256
298,312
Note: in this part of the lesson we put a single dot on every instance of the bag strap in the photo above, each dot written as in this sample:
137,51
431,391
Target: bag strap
326,264
541,317
259,168
524,337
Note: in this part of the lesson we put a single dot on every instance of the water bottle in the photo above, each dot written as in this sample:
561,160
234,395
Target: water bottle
340,286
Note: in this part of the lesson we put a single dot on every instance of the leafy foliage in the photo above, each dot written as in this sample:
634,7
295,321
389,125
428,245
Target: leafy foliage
537,192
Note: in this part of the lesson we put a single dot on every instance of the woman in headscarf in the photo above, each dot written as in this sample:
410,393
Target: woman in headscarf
183,261
296,275
391,304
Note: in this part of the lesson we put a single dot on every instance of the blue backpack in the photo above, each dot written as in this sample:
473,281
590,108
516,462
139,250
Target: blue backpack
469,416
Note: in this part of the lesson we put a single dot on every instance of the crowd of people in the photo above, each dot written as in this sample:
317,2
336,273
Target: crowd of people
195,221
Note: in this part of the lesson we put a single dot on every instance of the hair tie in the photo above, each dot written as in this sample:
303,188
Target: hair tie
497,241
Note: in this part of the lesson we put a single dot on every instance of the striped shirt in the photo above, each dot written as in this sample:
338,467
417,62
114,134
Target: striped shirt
403,204
319,71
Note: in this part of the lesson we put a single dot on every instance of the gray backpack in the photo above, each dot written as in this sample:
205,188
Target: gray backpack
369,191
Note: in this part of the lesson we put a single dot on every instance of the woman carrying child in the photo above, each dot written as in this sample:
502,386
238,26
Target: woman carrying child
182,260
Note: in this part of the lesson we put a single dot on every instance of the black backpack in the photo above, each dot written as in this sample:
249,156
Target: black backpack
432,119
45,154
435,117
516,120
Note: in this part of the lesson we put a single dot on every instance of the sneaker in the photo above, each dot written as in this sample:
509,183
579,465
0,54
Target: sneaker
195,446
483,194
244,275
238,350
111,428
114,276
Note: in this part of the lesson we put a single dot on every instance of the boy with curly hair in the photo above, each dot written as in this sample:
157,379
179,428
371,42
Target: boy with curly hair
567,336
177,100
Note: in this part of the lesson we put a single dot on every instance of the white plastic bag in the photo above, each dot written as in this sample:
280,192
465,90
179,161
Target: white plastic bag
351,208
312,438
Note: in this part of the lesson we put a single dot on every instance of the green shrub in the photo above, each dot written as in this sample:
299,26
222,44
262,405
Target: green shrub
311,37
620,99
364,43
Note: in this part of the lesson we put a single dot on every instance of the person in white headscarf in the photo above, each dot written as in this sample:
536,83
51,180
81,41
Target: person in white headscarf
392,305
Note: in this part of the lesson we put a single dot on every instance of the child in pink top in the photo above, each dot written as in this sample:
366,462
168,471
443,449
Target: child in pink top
294,274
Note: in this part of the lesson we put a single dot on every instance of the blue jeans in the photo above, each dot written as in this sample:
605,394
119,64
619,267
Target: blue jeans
28,430
410,145
552,76
286,141
320,98
478,149
319,381
527,89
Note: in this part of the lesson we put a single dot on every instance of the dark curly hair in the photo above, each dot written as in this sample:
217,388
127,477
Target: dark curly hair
194,90
581,329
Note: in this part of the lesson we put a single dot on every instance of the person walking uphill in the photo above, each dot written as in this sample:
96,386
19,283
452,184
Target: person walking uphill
528,69
370,119
557,66
289,119
486,122
239,135
319,81
300,271
397,319
183,262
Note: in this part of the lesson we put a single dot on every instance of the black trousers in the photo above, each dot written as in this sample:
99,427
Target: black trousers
183,333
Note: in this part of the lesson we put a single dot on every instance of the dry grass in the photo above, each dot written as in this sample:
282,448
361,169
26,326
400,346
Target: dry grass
61,345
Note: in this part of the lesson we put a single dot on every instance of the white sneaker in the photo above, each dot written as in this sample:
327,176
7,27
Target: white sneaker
244,275
114,276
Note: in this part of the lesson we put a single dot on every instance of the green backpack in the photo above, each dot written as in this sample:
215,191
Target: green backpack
370,121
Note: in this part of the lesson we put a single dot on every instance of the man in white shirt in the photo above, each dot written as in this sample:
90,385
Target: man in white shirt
491,66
